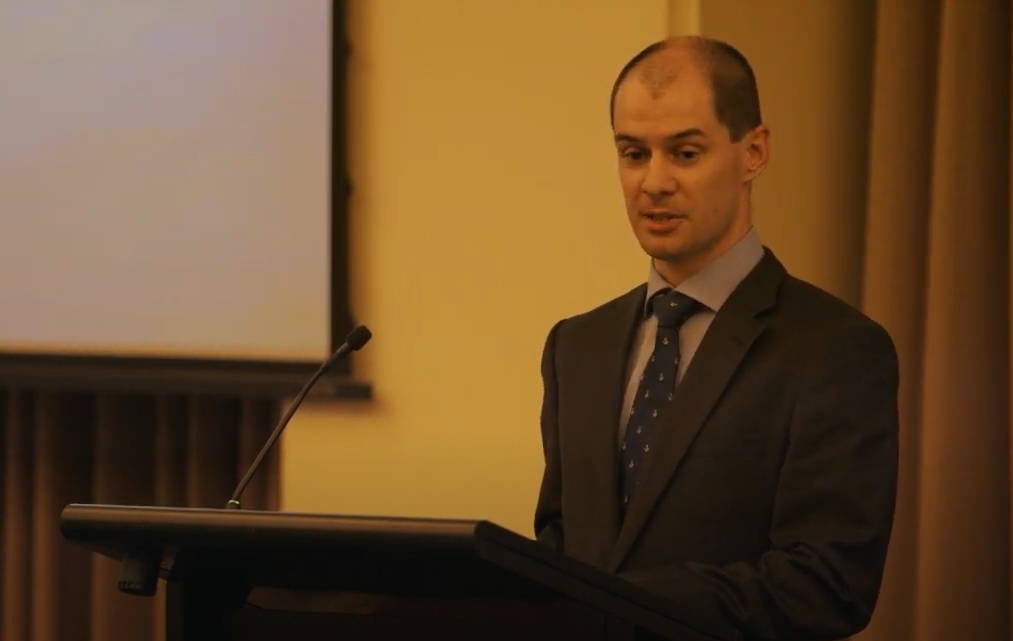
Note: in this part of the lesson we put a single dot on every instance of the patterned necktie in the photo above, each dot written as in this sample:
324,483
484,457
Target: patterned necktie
656,387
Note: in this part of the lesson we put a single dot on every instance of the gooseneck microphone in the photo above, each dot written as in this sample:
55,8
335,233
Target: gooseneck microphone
353,342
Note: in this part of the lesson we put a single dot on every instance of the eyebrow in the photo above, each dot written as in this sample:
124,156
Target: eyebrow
676,137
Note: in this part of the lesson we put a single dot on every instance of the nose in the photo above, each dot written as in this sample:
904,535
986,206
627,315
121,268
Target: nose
658,179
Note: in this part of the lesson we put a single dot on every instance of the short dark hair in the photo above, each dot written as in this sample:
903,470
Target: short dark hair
733,83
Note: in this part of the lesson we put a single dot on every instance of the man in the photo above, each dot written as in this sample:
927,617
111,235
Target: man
759,488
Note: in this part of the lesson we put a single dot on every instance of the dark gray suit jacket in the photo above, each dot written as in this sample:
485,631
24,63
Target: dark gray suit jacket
771,502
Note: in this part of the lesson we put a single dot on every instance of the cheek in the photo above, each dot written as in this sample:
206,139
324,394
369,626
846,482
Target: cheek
709,190
630,184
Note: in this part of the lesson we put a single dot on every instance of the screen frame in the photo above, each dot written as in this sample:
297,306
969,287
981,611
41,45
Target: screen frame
98,372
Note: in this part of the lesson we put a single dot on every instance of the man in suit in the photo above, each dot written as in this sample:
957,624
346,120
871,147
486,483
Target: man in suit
724,435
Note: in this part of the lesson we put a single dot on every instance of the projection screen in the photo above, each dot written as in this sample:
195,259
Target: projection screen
165,172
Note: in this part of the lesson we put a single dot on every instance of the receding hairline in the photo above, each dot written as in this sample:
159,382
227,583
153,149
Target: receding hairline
726,70
664,66
658,65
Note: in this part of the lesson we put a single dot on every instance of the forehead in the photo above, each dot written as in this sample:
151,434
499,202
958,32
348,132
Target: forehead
663,100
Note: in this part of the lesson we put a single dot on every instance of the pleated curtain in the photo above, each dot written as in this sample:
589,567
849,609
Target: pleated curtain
937,275
62,447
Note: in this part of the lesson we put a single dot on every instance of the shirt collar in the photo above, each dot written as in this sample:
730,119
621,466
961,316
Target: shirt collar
713,284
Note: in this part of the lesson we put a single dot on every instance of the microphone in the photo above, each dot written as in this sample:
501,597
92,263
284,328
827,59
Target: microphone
353,342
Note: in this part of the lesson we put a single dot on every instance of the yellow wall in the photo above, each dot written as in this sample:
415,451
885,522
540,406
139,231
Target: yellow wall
486,208
813,65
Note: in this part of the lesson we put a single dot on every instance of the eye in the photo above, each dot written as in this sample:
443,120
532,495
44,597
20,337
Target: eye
687,155
633,153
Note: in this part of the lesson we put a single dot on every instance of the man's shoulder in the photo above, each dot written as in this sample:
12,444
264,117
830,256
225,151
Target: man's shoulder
617,308
813,315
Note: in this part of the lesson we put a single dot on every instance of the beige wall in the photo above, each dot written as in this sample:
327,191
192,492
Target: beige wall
487,207
813,65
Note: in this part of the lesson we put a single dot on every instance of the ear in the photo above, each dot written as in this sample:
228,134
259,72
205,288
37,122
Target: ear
756,147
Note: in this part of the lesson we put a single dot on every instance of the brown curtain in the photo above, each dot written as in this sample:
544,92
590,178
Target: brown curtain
58,448
937,275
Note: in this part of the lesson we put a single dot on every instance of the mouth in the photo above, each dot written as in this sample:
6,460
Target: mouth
657,221
659,216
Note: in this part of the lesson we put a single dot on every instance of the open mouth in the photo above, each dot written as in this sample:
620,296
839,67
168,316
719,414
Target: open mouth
659,216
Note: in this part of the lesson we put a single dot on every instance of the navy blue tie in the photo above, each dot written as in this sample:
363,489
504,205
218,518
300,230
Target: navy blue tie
656,387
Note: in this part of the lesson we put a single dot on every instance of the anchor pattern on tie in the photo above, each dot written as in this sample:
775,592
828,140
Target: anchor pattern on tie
656,387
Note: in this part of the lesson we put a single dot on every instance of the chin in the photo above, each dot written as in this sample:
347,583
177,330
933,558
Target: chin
665,250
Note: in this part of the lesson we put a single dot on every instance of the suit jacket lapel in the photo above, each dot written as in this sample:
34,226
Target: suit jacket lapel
731,334
604,370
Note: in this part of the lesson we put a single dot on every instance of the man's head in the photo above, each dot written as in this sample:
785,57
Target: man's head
686,118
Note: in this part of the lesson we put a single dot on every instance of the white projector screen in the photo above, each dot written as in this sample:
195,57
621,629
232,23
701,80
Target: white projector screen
164,178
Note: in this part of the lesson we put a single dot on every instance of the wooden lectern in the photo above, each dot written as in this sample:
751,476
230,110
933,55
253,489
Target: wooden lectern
250,576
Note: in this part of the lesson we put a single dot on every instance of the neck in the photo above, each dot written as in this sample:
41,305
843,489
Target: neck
676,271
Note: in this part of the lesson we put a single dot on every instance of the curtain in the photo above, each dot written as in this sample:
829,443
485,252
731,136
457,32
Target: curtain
60,447
937,275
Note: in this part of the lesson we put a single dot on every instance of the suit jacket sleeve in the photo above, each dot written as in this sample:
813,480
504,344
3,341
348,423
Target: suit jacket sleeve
833,510
549,509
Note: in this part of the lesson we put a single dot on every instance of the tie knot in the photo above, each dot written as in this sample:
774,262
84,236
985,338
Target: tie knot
673,308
